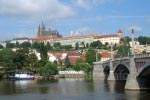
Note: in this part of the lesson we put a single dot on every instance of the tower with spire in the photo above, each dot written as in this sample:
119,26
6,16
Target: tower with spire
41,30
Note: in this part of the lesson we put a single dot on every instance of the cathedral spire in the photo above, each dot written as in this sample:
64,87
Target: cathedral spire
39,30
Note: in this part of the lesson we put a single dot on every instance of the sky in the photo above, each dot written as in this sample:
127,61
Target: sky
21,18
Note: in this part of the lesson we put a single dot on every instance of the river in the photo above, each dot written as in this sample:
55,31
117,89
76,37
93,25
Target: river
68,89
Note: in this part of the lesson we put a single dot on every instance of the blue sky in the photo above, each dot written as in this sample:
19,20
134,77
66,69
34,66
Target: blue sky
21,18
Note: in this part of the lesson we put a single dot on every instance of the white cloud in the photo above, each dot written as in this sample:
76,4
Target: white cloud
101,1
90,4
35,8
85,30
83,4
20,34
136,28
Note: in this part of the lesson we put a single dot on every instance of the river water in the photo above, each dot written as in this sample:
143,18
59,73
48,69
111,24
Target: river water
68,89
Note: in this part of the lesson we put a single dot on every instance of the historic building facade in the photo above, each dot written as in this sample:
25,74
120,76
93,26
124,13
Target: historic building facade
53,36
46,36
110,38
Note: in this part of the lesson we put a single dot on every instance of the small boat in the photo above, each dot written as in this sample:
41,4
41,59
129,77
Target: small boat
22,76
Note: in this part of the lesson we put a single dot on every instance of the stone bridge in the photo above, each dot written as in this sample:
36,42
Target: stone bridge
135,69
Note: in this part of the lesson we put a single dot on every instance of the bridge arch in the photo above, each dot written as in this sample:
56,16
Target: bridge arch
106,71
121,71
144,68
143,77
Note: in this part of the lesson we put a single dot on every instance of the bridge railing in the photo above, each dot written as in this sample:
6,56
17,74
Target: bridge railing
142,55
128,57
135,56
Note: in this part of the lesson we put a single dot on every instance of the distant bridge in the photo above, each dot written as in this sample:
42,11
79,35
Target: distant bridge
135,69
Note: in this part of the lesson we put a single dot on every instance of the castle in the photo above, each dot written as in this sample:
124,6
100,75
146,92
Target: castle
46,36
42,31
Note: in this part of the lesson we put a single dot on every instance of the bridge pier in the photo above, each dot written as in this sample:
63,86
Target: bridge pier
111,76
98,70
131,82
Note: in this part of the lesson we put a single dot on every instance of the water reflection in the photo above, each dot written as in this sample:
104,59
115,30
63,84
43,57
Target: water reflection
68,89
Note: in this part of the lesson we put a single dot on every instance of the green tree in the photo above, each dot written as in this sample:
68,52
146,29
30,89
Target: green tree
67,62
48,46
127,39
36,46
123,50
57,46
67,47
43,51
106,45
47,68
78,64
90,56
21,58
25,45
144,40
40,65
51,68
1,47
87,45
17,45
10,45
77,46
7,59
96,44
32,61
83,44
82,65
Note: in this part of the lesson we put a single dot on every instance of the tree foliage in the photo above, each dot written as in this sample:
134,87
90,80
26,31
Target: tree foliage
82,65
21,58
90,56
1,47
46,68
32,61
10,45
67,62
57,46
43,51
77,46
123,50
25,45
144,40
7,59
96,44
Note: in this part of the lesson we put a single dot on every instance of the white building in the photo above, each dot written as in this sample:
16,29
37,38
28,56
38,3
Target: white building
110,38
3,44
21,40
72,40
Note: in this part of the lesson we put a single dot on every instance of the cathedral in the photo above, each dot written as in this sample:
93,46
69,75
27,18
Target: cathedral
46,36
42,31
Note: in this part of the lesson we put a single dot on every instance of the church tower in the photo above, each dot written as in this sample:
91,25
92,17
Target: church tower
41,30
120,33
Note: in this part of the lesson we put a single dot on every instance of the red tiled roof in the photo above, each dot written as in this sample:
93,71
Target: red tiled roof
45,37
78,37
74,58
107,36
106,54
